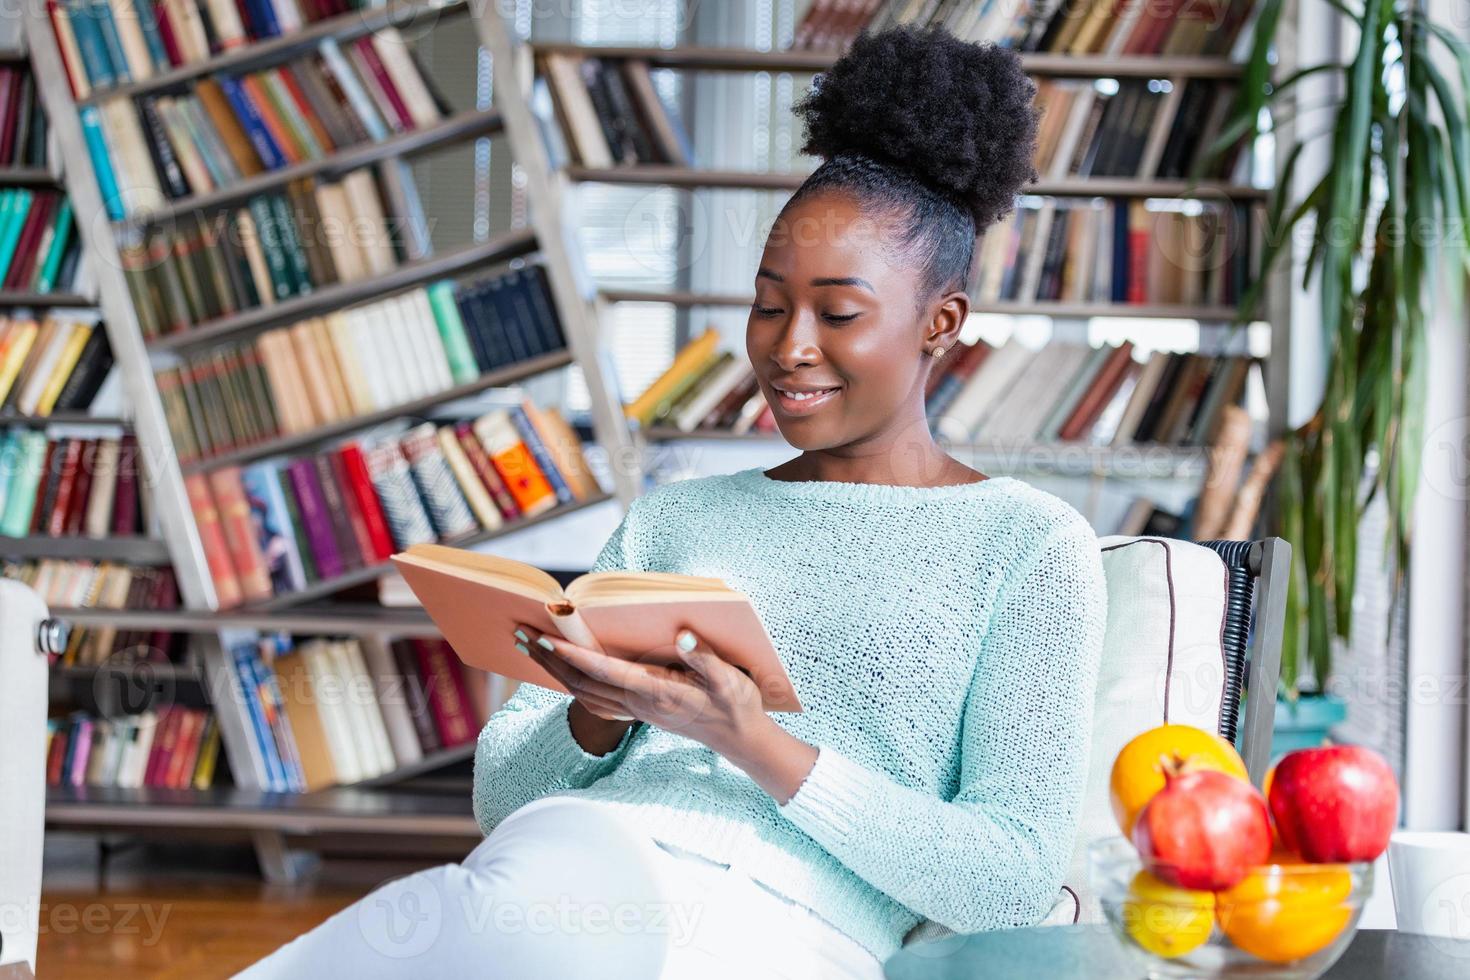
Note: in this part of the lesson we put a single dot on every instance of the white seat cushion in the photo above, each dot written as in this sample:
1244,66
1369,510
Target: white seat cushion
1163,662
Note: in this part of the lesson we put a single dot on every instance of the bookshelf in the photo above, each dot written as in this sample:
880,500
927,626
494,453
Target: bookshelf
375,805
1214,321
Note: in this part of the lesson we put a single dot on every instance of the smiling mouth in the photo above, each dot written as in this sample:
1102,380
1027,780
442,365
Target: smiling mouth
804,402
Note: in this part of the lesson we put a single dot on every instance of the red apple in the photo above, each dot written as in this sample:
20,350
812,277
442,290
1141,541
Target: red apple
1204,830
1335,803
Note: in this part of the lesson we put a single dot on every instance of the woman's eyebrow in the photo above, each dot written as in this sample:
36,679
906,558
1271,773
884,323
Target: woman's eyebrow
763,272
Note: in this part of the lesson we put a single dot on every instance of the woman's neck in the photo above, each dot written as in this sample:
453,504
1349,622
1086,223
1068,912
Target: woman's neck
906,456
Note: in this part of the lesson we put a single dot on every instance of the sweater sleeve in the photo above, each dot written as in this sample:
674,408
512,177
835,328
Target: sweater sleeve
526,749
994,855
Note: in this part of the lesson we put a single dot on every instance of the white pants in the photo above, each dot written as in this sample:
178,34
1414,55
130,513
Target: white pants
566,888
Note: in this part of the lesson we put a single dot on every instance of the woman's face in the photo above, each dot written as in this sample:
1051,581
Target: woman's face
838,343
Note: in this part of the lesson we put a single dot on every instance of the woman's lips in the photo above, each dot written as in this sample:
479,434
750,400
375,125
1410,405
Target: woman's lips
800,403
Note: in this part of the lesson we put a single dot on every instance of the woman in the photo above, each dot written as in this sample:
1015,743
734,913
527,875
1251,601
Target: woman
941,628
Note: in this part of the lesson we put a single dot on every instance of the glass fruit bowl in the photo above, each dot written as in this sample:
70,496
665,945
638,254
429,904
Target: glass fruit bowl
1283,922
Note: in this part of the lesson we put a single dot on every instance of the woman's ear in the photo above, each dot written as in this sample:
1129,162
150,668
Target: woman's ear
947,322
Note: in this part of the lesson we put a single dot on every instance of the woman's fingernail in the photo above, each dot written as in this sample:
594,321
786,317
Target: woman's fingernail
544,643
685,641
521,635
523,648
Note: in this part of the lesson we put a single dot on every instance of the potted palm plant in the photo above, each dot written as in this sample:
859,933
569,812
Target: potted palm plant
1385,221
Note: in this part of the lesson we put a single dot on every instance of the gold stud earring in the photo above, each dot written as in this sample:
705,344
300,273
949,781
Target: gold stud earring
937,353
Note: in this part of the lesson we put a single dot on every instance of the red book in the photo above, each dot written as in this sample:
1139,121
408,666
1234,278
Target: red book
366,546
1099,393
165,736
69,463
76,511
1140,229
58,18
167,35
239,533
359,487
485,470
186,749
39,508
369,55
21,263
288,79
444,685
125,494
212,540
56,757
273,123
165,596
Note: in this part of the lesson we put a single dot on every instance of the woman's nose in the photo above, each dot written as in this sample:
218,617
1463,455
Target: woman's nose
795,347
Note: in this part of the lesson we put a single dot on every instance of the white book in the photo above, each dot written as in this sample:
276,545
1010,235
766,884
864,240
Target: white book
474,491
360,329
1036,255
418,317
397,347
1102,279
135,756
1072,134
40,375
125,15
1072,393
98,520
584,131
1002,424
331,700
994,375
1123,29
349,363
1143,393
347,257
1087,219
369,223
137,181
725,380
367,702
1106,426
392,696
288,15
225,19
1049,394
393,52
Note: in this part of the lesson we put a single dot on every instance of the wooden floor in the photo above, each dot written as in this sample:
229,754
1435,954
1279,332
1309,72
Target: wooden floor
187,910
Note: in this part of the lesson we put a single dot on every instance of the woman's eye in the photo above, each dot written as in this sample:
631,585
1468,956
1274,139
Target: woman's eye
840,317
765,310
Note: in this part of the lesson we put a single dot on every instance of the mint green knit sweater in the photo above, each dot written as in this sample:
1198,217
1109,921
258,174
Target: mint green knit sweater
944,643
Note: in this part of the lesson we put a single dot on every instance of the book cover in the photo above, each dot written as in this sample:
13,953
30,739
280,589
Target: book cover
272,522
514,462
445,502
326,557
408,521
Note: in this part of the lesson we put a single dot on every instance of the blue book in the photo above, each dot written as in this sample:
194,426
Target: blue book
484,334
276,721
96,62
543,307
1120,251
275,768
265,147
15,223
272,520
101,162
262,19
148,24
513,326
542,455
102,14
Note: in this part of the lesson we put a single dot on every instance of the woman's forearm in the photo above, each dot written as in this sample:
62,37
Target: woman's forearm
778,761
596,736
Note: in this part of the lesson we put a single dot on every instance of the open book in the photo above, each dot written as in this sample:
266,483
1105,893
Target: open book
476,600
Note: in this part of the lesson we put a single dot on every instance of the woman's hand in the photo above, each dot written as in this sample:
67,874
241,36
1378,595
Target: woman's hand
706,699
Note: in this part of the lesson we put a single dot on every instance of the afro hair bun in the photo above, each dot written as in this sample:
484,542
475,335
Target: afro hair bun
957,115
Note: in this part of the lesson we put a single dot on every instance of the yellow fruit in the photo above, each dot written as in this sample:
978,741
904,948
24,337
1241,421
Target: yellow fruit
1286,912
1165,920
1138,772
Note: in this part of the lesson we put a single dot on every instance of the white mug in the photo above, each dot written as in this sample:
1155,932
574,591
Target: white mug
1430,873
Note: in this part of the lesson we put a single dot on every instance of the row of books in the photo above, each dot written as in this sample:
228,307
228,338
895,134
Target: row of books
1094,250
56,364
38,251
610,112
111,42
227,127
68,486
325,711
277,527
1077,27
1063,392
175,747
22,121
357,361
80,584
277,246
704,388
1145,128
